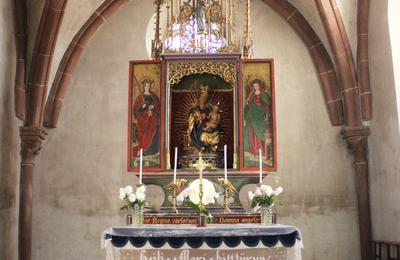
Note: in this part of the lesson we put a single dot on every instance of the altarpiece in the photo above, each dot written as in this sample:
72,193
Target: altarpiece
201,124
198,94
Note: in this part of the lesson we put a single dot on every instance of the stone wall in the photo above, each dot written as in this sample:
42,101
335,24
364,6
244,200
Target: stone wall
9,142
83,162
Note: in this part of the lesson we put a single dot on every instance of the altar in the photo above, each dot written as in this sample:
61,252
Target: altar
216,241
201,138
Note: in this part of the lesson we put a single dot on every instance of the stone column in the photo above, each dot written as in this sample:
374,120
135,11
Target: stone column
31,143
357,142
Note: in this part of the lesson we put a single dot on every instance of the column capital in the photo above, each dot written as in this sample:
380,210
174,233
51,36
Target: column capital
356,137
32,138
357,142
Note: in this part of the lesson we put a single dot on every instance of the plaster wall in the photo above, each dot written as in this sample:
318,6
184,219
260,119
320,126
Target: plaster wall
348,10
8,135
394,21
83,162
77,13
385,137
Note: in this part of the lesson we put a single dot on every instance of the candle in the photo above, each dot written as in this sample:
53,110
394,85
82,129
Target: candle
175,163
260,165
225,165
141,166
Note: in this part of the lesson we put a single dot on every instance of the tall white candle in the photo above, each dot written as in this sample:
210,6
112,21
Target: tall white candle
141,166
225,164
175,163
260,165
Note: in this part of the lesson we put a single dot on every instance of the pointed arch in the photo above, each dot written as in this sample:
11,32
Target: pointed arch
72,55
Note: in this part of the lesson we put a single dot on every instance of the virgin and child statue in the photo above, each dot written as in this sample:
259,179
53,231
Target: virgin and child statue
204,128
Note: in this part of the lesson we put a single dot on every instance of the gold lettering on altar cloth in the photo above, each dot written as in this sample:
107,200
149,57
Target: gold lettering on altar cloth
275,253
192,220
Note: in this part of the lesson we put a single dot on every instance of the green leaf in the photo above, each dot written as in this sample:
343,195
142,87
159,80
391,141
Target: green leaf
193,206
264,200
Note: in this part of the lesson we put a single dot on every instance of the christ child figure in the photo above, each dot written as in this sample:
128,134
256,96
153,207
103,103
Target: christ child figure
213,119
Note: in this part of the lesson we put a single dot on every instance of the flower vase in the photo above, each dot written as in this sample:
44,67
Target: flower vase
138,213
266,215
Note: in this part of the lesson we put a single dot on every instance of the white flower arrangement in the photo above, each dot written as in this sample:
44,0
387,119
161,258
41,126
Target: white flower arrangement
193,193
132,197
265,196
191,196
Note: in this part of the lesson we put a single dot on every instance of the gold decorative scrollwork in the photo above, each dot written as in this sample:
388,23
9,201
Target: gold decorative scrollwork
177,70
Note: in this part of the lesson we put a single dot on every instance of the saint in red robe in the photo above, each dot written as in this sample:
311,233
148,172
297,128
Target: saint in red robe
147,117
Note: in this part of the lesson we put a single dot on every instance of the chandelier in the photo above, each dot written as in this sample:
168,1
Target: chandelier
200,26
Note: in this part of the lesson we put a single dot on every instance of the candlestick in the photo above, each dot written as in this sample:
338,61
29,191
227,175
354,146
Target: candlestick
260,155
201,205
175,187
225,164
141,166
174,209
175,163
229,190
200,165
226,197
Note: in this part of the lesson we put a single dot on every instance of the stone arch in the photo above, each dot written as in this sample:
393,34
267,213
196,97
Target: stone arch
318,53
71,57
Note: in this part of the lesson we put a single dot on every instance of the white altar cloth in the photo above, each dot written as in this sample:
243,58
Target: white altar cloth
240,251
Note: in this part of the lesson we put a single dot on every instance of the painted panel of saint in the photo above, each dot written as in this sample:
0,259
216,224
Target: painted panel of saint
258,116
145,116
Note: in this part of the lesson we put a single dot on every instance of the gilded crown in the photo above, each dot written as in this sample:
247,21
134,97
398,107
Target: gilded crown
204,89
145,80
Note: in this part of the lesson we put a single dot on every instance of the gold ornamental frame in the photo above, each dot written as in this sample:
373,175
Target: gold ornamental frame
227,69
